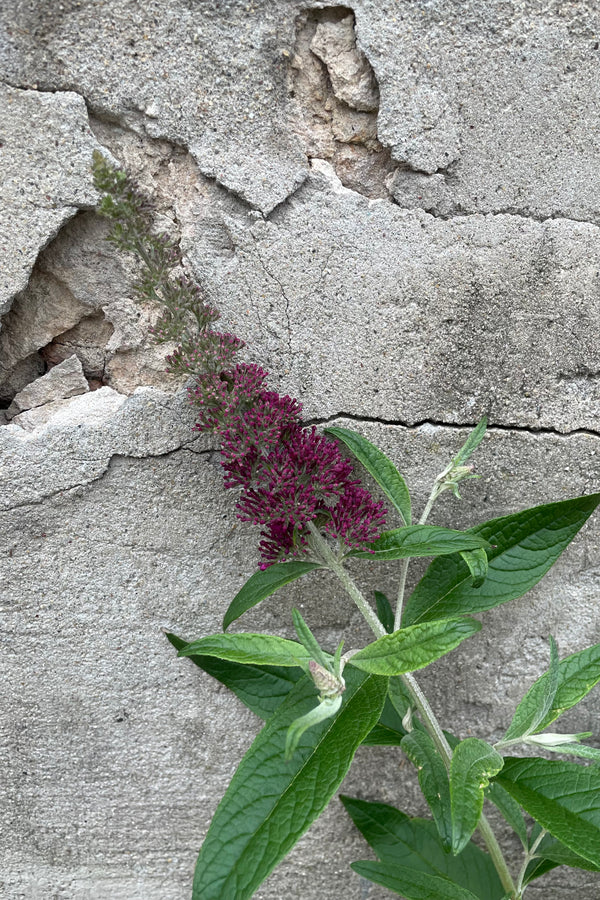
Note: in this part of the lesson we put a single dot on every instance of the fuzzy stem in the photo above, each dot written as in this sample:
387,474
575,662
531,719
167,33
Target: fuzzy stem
420,701
329,558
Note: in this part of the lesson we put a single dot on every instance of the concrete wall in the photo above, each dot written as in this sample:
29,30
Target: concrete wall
395,205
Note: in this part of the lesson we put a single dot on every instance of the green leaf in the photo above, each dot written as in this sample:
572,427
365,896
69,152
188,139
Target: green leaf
509,808
308,640
556,852
473,763
471,444
261,688
389,730
433,779
416,845
413,648
270,802
410,884
574,748
536,703
525,546
477,562
563,797
261,649
263,584
420,540
324,710
385,613
379,467
577,675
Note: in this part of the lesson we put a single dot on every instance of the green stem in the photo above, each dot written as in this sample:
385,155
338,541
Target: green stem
324,552
419,699
531,854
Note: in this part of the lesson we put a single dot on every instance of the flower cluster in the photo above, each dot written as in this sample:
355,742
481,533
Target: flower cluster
288,474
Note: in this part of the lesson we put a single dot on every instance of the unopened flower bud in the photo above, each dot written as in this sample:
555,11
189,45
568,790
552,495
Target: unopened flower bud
326,682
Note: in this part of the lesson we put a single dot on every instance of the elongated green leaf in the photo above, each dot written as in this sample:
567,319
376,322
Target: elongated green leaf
379,467
525,546
553,850
261,688
263,584
433,780
477,562
473,763
420,540
308,640
577,675
509,808
413,648
385,613
563,797
536,703
416,844
574,748
399,696
410,884
260,649
471,444
270,802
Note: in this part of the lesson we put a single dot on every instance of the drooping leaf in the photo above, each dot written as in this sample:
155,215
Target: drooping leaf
261,688
477,563
420,540
259,649
471,444
411,884
563,797
577,675
433,779
270,802
509,808
379,467
323,710
525,546
385,613
536,703
413,648
474,762
263,584
416,845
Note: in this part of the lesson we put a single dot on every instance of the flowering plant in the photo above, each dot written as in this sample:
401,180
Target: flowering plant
320,705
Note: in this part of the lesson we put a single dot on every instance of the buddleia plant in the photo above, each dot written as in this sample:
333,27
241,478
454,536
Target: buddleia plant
306,491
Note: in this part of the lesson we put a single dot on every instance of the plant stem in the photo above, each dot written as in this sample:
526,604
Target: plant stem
329,558
531,854
419,699
435,492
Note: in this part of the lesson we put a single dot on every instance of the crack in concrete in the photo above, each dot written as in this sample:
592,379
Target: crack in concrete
275,278
118,120
107,462
439,423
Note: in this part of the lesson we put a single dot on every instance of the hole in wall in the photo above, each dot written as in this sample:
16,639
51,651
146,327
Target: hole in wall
337,98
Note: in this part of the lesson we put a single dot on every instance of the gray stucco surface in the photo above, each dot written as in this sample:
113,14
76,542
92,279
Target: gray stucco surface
453,271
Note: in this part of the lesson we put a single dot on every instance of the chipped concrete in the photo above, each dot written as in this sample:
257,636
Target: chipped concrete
45,154
393,207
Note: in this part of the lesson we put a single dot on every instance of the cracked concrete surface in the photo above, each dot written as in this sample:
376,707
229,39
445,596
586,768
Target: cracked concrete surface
394,208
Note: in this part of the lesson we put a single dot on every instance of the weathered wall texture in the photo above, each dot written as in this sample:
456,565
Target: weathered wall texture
396,206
